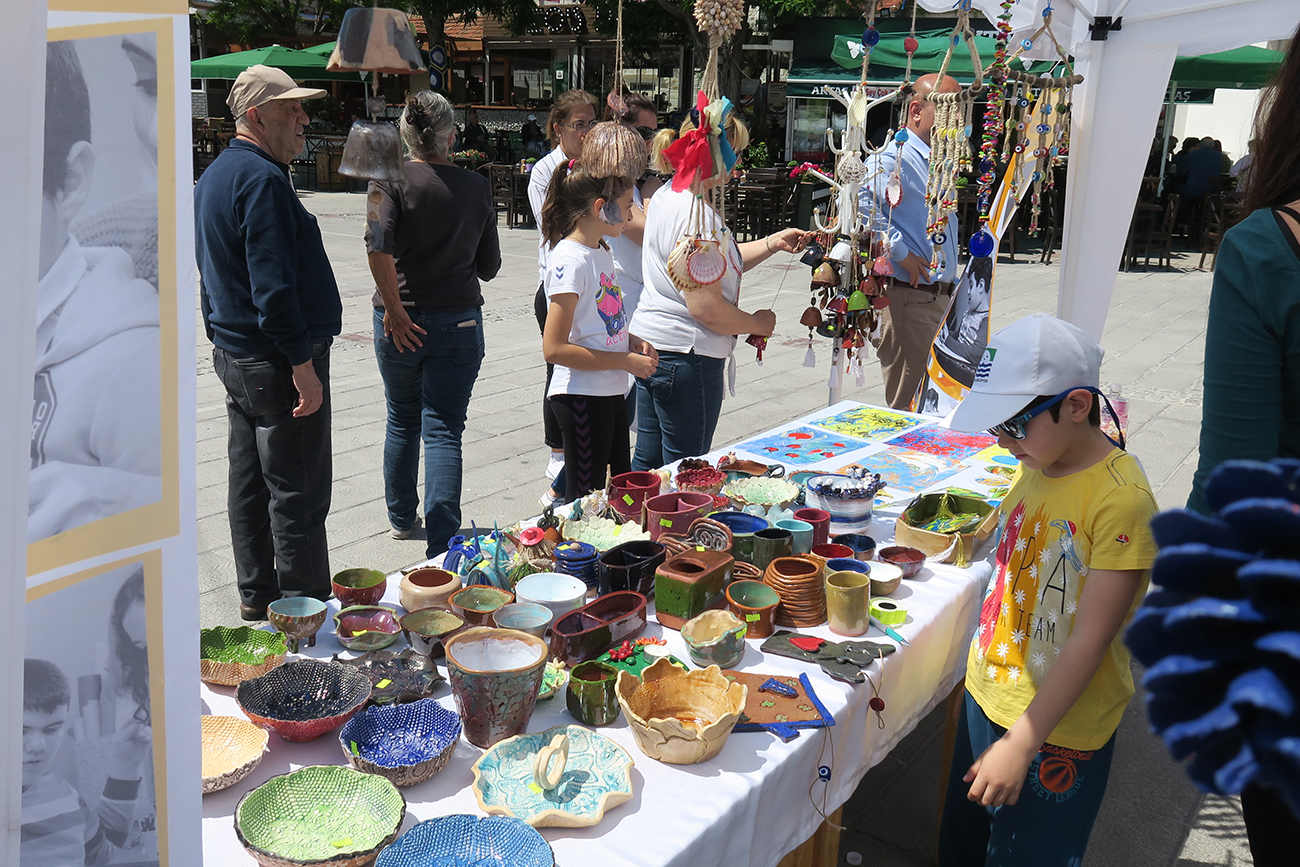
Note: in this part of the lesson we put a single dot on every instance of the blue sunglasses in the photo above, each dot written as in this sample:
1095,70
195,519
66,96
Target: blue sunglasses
1014,428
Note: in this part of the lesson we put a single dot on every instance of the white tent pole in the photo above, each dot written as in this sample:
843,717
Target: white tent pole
1114,118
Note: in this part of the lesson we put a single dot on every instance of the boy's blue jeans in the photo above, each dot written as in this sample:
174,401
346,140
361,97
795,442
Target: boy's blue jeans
1049,824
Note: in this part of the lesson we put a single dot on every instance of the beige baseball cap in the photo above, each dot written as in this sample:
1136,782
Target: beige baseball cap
258,85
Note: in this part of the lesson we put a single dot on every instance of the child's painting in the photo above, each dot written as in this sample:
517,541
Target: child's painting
869,423
802,445
905,473
939,441
997,455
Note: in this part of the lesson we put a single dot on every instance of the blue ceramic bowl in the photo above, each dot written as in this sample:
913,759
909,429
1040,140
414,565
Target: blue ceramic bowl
847,564
497,841
740,522
405,743
525,616
864,547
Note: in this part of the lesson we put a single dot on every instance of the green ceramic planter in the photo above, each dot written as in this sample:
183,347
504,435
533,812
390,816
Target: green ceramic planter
319,815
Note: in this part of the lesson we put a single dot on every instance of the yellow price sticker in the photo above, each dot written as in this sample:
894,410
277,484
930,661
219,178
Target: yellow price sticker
627,498
536,789
383,683
753,618
339,844
665,522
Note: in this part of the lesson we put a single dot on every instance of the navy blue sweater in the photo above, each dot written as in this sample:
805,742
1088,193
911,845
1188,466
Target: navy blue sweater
265,281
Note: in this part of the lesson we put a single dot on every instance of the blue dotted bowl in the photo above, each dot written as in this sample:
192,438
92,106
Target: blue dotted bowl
468,841
404,743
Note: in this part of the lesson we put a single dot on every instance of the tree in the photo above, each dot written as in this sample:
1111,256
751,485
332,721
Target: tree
517,15
260,22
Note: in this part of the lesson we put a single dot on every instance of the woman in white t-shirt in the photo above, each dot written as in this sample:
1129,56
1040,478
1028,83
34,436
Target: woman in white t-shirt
586,336
573,113
694,332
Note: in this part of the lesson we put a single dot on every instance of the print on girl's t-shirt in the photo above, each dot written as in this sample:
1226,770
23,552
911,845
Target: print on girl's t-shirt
609,304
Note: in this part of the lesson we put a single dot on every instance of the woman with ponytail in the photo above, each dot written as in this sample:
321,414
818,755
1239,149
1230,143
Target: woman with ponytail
435,239
586,336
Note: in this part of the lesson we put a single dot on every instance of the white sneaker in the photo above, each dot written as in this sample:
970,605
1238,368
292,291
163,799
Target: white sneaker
554,465
406,534
547,500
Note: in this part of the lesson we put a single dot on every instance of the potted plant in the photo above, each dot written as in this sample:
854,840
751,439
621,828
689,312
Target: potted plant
808,190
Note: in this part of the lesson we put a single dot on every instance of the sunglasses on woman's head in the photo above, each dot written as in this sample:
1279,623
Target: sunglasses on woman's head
646,132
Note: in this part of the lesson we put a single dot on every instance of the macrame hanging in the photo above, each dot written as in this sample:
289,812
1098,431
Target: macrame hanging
950,138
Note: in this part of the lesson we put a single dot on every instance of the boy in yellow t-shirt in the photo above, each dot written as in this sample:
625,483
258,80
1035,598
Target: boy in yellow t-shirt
1047,676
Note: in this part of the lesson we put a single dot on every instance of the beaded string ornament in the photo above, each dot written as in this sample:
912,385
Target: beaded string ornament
950,153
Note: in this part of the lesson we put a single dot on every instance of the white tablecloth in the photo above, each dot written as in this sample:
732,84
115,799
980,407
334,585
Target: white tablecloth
748,806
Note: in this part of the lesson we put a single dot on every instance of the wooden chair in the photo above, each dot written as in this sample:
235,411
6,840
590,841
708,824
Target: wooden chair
1162,237
504,198
1221,215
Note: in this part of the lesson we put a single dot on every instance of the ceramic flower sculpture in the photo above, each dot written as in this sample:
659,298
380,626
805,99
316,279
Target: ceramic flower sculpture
1219,636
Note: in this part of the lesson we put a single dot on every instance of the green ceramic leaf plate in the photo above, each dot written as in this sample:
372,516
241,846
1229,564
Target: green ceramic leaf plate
320,814
553,679
243,644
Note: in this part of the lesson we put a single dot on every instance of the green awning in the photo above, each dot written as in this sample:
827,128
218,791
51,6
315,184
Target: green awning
325,49
301,65
806,76
932,45
1244,68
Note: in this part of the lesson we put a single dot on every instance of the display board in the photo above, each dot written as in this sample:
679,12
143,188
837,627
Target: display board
107,757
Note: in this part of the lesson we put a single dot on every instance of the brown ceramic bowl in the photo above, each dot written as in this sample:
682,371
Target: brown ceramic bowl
910,560
755,603
475,604
359,587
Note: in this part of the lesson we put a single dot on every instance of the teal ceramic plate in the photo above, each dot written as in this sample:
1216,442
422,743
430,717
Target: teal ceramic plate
597,776
553,679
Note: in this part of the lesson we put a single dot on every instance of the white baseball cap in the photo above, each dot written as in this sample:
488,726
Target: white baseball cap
1038,356
259,84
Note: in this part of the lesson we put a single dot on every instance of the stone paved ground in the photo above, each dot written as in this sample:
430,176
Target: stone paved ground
1154,338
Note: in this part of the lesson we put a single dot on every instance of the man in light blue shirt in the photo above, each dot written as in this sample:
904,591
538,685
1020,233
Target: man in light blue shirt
918,297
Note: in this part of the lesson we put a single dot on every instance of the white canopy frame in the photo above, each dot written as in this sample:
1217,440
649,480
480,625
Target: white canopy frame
1125,61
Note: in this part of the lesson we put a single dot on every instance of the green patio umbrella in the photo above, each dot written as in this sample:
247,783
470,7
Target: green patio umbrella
890,57
301,65
325,49
1244,68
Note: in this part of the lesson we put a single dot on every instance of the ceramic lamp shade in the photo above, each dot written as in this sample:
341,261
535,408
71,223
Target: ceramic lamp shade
376,39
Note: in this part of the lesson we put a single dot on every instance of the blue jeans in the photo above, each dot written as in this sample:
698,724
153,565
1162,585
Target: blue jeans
428,391
1047,826
677,409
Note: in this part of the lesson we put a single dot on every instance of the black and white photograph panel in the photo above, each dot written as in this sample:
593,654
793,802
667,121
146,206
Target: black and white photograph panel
96,418
88,793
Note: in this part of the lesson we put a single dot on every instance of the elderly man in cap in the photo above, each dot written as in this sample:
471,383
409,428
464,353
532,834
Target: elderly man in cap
271,308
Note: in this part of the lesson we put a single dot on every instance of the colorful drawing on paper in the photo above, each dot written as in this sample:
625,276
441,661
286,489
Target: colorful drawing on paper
997,455
935,440
869,423
802,445
903,472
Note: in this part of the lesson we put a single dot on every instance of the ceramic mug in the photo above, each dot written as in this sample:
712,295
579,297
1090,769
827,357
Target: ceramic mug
821,523
864,547
846,564
770,544
801,534
591,697
848,602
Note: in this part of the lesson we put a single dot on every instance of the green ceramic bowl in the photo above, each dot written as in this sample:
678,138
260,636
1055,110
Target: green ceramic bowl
320,815
228,656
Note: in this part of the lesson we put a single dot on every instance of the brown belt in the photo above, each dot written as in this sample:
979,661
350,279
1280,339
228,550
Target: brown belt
944,289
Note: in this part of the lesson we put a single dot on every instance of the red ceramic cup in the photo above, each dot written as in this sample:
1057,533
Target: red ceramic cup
632,489
821,523
831,551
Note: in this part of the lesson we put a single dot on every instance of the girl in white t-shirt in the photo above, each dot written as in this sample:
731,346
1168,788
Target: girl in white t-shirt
586,335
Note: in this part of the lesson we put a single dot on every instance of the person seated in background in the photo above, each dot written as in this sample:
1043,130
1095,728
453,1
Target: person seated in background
533,138
1225,161
475,136
1202,163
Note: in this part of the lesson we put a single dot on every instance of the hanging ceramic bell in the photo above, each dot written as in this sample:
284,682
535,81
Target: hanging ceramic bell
811,318
882,266
377,39
828,329
825,275
858,301
373,151
838,305
842,252
880,302
812,254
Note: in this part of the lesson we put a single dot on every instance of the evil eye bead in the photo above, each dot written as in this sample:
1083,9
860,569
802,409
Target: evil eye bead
1020,127
900,136
1023,102
1026,44
981,244
1047,108
938,239
1043,129
870,36
1020,148
1038,176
